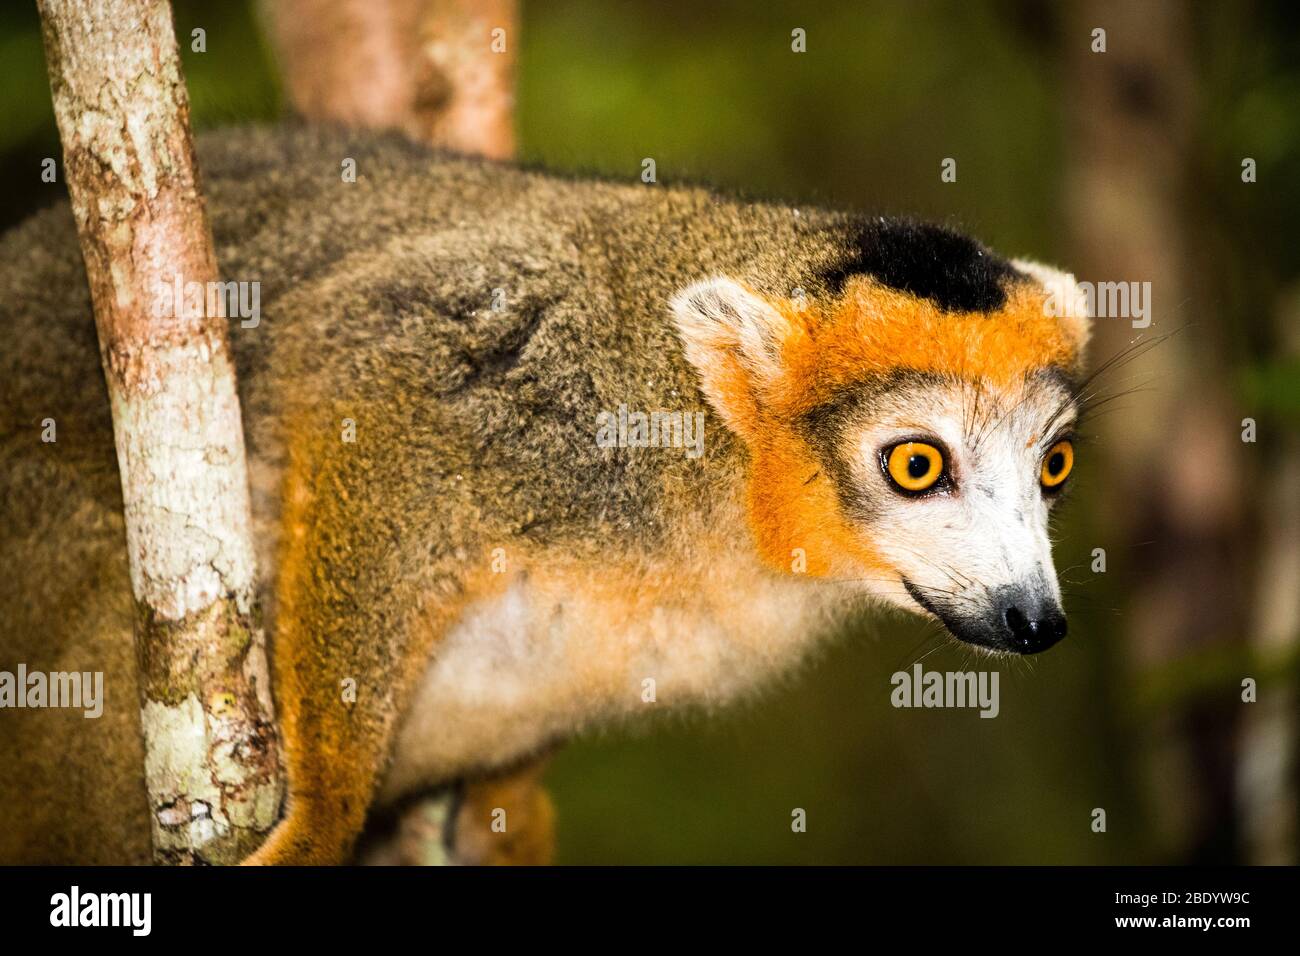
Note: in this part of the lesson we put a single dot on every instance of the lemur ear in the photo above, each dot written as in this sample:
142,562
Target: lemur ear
733,337
1065,300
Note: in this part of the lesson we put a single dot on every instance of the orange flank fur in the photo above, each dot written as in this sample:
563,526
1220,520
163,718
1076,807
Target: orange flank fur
332,628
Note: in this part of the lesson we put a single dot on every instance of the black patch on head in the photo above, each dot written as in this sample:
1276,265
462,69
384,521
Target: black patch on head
953,271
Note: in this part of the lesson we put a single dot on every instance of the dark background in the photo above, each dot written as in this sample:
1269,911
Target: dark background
1120,166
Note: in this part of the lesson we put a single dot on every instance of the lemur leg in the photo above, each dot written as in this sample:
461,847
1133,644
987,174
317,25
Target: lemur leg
506,819
416,834
350,636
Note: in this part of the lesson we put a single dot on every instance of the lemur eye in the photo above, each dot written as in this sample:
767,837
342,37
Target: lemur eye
1057,464
914,466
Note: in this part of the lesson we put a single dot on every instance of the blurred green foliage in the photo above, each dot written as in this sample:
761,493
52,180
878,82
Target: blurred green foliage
886,90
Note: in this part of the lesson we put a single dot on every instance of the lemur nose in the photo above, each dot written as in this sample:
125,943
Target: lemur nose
1031,635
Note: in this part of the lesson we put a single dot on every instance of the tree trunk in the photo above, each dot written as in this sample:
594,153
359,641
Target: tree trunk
1178,522
211,764
441,71
1266,778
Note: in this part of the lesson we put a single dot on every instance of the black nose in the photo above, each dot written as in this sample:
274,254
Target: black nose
1029,635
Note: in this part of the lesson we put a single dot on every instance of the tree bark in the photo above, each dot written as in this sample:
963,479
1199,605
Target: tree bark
1180,521
212,764
441,71
1266,777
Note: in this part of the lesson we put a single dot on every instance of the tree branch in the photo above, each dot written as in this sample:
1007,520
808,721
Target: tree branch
442,71
212,766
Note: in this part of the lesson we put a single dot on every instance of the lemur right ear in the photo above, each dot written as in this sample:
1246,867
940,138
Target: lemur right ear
1066,301
734,338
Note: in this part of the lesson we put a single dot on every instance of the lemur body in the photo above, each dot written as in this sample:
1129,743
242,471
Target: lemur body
557,648
490,578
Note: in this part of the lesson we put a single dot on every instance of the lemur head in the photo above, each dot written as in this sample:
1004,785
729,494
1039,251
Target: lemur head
910,430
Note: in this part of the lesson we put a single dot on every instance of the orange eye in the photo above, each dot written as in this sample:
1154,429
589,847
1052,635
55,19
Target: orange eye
914,465
1057,464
